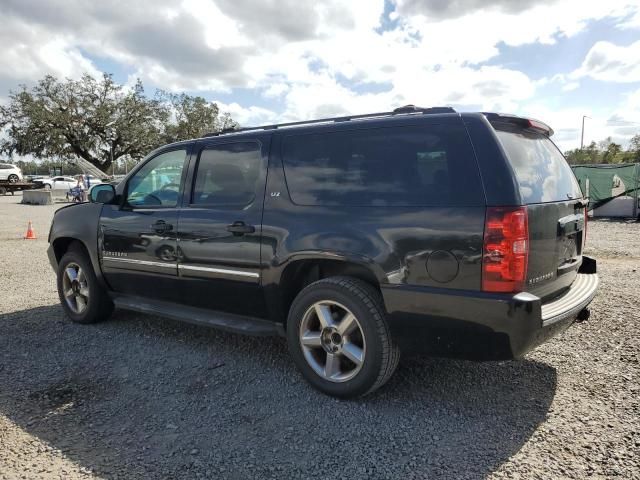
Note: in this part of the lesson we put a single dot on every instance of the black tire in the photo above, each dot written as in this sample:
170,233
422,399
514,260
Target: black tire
381,355
13,178
98,305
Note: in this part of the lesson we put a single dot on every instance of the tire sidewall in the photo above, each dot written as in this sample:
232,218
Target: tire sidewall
369,372
89,315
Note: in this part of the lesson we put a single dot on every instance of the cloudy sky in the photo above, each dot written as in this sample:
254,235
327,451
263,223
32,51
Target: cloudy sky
268,60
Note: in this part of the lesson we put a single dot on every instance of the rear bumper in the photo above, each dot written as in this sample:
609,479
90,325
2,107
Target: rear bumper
571,303
479,325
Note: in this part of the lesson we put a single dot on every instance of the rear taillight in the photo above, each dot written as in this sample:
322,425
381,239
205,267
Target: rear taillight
506,249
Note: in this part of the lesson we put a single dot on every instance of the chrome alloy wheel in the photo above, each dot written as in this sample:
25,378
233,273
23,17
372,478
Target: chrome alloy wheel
75,288
332,341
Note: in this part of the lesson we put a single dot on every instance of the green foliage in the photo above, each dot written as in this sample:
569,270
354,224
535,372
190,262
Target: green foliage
634,148
192,117
605,151
101,121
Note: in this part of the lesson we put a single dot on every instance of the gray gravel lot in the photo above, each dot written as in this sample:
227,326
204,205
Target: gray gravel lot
144,397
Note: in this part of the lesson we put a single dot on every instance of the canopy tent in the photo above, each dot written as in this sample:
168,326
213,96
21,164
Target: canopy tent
602,183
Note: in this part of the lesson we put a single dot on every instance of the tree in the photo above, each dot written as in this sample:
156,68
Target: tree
101,121
633,149
605,151
610,154
192,117
587,155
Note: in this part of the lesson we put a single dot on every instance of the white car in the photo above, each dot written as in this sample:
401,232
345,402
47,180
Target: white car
10,173
58,183
93,180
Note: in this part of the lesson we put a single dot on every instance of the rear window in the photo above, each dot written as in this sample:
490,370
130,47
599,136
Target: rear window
227,174
396,166
542,172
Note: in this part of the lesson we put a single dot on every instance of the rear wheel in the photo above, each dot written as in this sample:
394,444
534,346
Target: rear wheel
80,295
339,338
13,178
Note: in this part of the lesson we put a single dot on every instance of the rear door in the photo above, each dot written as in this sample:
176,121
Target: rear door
137,239
219,228
555,208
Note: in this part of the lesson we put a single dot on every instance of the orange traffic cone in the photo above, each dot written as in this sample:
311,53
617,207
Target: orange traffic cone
31,235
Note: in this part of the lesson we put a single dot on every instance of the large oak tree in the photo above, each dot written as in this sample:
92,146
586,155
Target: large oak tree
101,121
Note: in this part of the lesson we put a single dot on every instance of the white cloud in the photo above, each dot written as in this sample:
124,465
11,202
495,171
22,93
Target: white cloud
611,63
28,53
570,86
620,122
324,57
248,116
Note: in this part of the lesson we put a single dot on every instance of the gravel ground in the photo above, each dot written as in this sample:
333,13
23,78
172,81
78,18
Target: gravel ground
144,397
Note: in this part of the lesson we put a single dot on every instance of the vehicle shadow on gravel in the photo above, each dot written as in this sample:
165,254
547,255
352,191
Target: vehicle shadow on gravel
140,396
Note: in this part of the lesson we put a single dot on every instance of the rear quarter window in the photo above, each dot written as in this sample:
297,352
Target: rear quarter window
394,166
542,173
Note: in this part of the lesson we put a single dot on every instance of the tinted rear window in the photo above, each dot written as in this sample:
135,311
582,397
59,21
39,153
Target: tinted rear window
227,174
396,166
542,172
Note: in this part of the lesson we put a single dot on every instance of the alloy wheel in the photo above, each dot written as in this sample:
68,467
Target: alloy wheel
75,288
332,341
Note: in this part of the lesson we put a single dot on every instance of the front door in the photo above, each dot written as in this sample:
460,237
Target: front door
219,228
137,239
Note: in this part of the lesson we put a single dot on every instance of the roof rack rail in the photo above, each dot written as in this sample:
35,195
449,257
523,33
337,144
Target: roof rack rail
405,110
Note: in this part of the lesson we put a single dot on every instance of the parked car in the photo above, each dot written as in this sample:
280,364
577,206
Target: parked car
34,178
10,173
92,180
457,234
64,183
57,183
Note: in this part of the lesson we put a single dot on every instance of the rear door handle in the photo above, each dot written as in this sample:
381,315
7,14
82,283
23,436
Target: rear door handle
240,228
161,226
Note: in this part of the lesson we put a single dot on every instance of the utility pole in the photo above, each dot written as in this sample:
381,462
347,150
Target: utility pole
582,135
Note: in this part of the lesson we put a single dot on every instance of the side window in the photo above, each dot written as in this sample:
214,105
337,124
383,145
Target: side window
431,165
157,183
227,174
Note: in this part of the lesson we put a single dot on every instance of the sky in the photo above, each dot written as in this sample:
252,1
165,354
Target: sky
274,61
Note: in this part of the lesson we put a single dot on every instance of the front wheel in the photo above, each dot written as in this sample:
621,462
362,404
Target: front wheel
47,186
82,299
339,338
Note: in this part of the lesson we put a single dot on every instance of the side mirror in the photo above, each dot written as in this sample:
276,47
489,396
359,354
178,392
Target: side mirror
102,193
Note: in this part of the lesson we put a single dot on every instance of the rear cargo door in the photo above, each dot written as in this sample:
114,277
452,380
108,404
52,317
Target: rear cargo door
555,209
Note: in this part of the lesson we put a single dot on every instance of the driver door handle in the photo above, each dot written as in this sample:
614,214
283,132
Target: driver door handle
161,226
240,228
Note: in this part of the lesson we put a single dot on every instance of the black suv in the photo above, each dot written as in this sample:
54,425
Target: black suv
457,234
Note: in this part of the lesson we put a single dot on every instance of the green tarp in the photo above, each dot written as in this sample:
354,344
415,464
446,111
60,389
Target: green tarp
601,183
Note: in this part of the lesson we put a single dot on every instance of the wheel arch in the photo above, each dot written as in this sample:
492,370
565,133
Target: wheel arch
62,245
304,269
77,224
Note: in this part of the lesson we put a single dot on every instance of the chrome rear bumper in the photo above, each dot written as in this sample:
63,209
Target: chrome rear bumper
582,291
